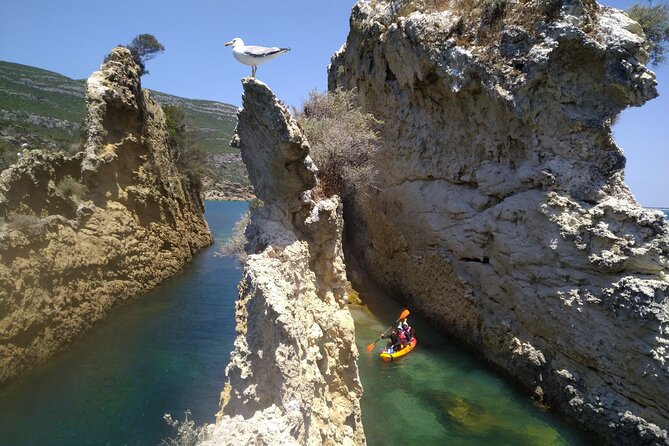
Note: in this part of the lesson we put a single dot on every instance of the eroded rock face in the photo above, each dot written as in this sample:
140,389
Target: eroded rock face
81,234
501,213
292,377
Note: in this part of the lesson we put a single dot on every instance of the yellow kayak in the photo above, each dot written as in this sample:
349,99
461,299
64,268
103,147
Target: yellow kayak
398,354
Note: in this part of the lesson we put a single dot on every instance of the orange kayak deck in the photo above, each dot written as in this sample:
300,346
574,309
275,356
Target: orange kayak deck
392,356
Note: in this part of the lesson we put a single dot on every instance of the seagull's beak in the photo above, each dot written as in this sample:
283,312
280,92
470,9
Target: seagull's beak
228,44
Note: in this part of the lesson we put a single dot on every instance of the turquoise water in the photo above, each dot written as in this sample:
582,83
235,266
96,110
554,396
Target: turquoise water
163,353
167,352
438,394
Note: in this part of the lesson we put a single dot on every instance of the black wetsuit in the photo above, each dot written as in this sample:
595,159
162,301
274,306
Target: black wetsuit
394,340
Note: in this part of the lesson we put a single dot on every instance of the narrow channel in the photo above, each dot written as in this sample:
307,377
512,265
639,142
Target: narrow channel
166,353
440,394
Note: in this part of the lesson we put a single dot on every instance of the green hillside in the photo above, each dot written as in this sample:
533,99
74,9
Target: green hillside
39,107
45,109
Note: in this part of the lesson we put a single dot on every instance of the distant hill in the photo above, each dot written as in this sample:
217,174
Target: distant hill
43,108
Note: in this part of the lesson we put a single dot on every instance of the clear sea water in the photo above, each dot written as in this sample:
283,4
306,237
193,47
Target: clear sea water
440,395
163,353
166,352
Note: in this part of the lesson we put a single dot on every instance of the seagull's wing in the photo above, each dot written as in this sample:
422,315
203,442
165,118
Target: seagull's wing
262,51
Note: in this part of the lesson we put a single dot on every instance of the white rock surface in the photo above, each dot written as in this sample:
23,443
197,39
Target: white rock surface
292,377
501,213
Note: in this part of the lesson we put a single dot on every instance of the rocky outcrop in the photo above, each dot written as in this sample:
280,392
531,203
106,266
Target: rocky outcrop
501,213
81,234
292,377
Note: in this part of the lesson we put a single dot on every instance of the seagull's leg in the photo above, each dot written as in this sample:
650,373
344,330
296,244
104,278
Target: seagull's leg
253,70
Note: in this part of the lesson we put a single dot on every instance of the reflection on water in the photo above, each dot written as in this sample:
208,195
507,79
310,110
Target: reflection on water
439,394
165,352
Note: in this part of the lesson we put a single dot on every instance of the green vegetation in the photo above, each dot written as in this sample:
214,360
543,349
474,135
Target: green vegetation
70,187
343,141
214,122
145,47
37,107
45,110
654,19
189,156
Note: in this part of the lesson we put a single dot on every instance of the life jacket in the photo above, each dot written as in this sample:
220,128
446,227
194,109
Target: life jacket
402,336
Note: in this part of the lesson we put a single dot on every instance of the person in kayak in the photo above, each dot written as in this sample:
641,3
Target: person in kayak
394,343
402,337
409,332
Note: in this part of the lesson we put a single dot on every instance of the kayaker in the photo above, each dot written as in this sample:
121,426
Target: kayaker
402,338
409,332
394,343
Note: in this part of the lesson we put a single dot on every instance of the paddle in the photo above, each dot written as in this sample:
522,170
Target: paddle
403,315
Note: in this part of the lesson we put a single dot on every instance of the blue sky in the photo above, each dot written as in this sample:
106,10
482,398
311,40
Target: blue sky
71,37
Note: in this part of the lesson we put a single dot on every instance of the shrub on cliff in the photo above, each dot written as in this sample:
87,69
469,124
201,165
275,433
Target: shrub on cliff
343,141
654,19
188,433
29,224
234,246
70,187
189,156
143,47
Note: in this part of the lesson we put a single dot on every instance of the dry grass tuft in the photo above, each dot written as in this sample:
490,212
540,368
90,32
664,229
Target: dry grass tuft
235,246
343,141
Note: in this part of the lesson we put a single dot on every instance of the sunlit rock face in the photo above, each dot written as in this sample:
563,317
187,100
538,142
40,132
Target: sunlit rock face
79,234
292,376
501,213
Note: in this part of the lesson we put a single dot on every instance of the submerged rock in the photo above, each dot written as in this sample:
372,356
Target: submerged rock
81,234
292,377
501,214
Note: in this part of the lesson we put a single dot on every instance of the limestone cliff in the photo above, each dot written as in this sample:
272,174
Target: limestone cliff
501,213
292,377
81,234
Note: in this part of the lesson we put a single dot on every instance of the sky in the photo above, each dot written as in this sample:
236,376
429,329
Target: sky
71,37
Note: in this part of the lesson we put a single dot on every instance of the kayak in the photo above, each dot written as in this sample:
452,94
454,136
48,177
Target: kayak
398,354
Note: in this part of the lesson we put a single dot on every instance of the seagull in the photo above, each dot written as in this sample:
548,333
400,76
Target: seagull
253,55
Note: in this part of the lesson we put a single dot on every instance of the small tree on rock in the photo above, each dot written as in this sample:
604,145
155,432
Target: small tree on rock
654,19
145,47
